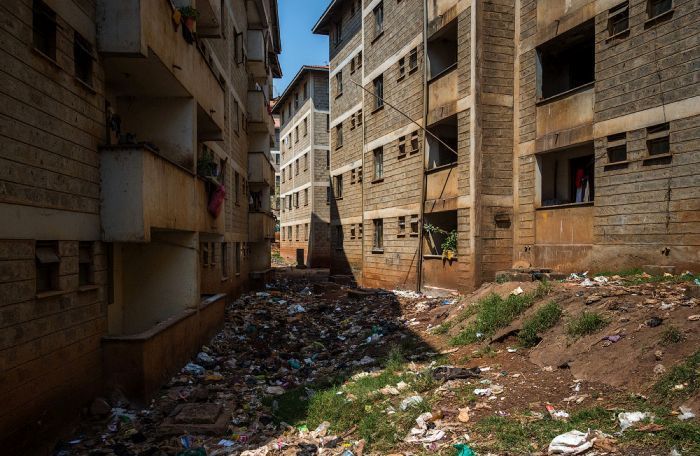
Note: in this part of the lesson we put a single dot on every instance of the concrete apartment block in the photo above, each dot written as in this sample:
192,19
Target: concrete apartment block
119,128
533,133
304,162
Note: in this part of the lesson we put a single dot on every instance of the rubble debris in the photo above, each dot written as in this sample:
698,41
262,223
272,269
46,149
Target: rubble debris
572,442
628,419
451,373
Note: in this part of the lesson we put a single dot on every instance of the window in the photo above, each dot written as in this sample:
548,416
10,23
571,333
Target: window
296,134
306,161
306,197
82,58
339,136
413,60
238,258
306,231
618,19
238,48
339,237
289,202
328,159
567,61
352,122
442,152
204,251
224,260
414,141
378,243
44,27
352,66
339,83
378,163
658,140
441,50
379,92
328,195
47,266
402,226
338,186
352,231
328,122
379,19
289,233
338,33
296,101
359,60
359,174
402,68
402,146
359,117
567,176
617,148
353,174
656,8
306,126
296,167
236,188
306,90
359,229
85,274
296,200
414,225
236,123
296,233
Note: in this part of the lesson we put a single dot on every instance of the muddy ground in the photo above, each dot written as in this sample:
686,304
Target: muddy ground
314,368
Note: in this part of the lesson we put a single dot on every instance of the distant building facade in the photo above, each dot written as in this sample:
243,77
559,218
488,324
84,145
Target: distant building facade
135,151
559,135
304,164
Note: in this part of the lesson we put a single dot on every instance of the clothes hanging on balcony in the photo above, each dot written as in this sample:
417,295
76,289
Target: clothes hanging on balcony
216,200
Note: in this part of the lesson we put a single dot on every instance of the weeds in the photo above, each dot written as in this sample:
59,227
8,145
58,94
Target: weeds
671,335
586,323
493,313
545,318
681,382
544,288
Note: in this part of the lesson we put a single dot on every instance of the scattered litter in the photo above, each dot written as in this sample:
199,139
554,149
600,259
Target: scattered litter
410,402
572,442
452,373
559,415
226,443
463,416
194,369
511,350
485,392
628,419
653,322
518,291
686,413
694,318
295,309
464,450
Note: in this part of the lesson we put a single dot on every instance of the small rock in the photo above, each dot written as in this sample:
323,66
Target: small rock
659,369
694,318
658,354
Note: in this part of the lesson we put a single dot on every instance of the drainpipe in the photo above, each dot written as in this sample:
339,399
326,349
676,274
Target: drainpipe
419,264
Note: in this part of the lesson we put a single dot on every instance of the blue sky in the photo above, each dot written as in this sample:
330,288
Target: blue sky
299,45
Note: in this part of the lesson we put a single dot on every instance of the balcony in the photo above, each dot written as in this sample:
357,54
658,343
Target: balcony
209,23
145,54
143,191
564,237
257,53
259,118
571,113
260,169
441,12
261,226
441,190
442,95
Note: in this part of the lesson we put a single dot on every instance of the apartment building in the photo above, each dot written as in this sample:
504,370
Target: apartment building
551,134
304,163
131,141
276,164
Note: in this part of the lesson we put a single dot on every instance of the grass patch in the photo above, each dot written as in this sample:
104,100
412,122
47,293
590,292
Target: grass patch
526,437
493,313
671,335
545,318
395,360
544,288
686,373
586,323
443,328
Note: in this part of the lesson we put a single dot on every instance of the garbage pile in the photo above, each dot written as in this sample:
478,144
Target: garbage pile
223,401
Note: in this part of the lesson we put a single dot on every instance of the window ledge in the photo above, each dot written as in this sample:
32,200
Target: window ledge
377,181
51,294
51,60
224,279
565,206
439,257
376,250
377,109
89,287
85,85
621,34
620,163
339,95
565,94
656,157
377,36
658,17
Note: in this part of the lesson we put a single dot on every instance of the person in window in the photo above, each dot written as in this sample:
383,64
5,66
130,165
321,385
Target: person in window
581,185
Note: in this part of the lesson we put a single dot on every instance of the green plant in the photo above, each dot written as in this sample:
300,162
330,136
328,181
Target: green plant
449,245
685,374
189,11
586,323
545,318
206,166
672,335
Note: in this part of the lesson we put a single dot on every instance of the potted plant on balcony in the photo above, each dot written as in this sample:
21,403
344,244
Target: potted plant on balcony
189,16
448,246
